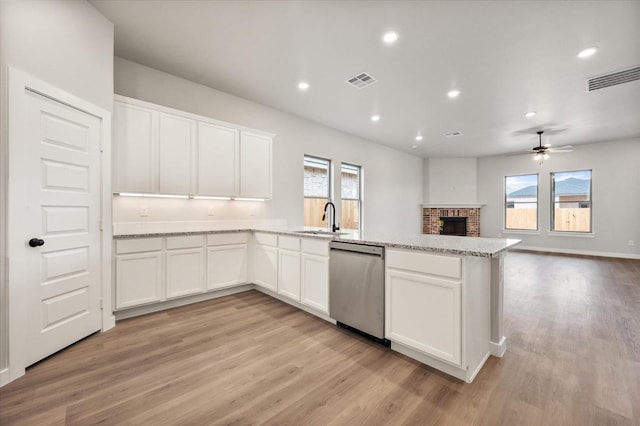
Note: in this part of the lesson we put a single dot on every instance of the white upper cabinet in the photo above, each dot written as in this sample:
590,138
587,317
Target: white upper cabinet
177,136
218,157
255,165
163,150
136,148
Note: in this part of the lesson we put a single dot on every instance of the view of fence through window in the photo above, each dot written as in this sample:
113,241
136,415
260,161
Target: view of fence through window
571,198
317,189
351,195
521,202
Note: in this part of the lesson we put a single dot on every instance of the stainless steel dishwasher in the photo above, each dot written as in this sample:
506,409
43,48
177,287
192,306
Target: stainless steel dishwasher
356,288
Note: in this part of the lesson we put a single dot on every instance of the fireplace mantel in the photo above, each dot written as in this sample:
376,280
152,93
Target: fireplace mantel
452,206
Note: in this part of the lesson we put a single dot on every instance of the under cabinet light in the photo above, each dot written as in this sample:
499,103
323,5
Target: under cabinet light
205,197
247,199
136,194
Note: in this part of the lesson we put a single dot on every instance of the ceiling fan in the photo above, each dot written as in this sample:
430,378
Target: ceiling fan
541,152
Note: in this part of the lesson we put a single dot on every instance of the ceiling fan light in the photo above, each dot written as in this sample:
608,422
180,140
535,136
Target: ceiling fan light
545,156
536,157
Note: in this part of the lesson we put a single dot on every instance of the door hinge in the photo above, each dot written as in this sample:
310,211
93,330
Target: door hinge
101,225
101,305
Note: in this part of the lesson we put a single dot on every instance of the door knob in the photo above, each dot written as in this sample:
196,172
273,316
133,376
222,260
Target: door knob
36,242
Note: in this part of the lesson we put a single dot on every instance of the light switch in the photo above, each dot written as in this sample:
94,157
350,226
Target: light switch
144,211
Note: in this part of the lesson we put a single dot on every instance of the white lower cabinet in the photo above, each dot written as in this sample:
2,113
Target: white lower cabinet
185,265
138,272
226,266
315,274
265,261
424,313
289,273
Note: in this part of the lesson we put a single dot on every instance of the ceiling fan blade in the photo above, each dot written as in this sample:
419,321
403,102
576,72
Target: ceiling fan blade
519,153
561,147
559,151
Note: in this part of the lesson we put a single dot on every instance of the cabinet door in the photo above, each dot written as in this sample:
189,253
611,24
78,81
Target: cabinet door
218,151
255,165
185,272
265,267
135,156
424,313
138,279
176,154
315,282
289,274
226,265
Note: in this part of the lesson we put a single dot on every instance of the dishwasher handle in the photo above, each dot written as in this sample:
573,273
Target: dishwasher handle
377,251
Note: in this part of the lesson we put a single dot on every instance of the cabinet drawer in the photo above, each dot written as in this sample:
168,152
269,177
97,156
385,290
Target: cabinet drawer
289,243
267,239
446,266
226,239
321,248
187,241
138,245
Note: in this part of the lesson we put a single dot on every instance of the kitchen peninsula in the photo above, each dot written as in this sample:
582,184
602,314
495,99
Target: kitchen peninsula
443,294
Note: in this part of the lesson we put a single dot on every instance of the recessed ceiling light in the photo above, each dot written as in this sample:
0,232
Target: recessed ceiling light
375,118
419,138
303,85
453,93
530,114
390,37
589,51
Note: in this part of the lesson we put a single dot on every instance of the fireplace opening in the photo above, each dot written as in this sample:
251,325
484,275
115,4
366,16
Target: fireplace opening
453,226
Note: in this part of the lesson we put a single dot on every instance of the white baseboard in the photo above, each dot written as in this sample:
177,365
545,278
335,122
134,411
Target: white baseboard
156,307
4,377
498,349
580,252
298,305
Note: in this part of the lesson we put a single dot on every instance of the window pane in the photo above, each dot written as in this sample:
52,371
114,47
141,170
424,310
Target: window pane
351,190
571,198
317,184
521,202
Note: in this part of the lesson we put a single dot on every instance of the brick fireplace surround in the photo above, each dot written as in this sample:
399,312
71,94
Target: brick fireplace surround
431,216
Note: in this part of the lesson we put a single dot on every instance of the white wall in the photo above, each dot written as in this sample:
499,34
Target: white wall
615,191
392,179
68,44
451,180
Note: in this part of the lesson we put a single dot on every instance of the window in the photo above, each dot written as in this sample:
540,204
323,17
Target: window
571,201
350,208
521,202
317,189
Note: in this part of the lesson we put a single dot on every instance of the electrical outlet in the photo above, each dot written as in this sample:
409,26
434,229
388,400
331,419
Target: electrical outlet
210,211
252,211
631,243
144,211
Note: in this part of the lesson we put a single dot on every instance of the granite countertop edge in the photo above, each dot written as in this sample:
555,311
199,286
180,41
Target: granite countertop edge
389,244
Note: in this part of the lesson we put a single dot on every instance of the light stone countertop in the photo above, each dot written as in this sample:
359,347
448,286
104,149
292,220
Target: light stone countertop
447,244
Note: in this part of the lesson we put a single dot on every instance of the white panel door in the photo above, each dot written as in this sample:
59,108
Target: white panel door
289,274
226,266
61,218
138,279
185,272
218,151
255,165
315,282
177,135
265,267
135,154
424,313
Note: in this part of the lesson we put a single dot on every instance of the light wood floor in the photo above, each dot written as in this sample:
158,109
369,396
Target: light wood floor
573,359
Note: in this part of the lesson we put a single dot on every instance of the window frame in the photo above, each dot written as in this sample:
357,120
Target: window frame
329,165
506,204
360,191
553,202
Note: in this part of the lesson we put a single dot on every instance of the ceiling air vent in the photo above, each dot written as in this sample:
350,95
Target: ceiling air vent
453,134
613,79
361,80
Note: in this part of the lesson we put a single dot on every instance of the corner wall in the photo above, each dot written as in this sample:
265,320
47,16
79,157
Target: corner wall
68,44
615,192
392,179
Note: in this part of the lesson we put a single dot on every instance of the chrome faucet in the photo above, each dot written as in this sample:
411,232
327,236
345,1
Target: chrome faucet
334,228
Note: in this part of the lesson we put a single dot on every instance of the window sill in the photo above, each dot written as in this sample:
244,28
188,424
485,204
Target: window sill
571,234
521,231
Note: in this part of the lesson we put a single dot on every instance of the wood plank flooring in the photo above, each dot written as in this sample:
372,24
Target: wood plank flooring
573,358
